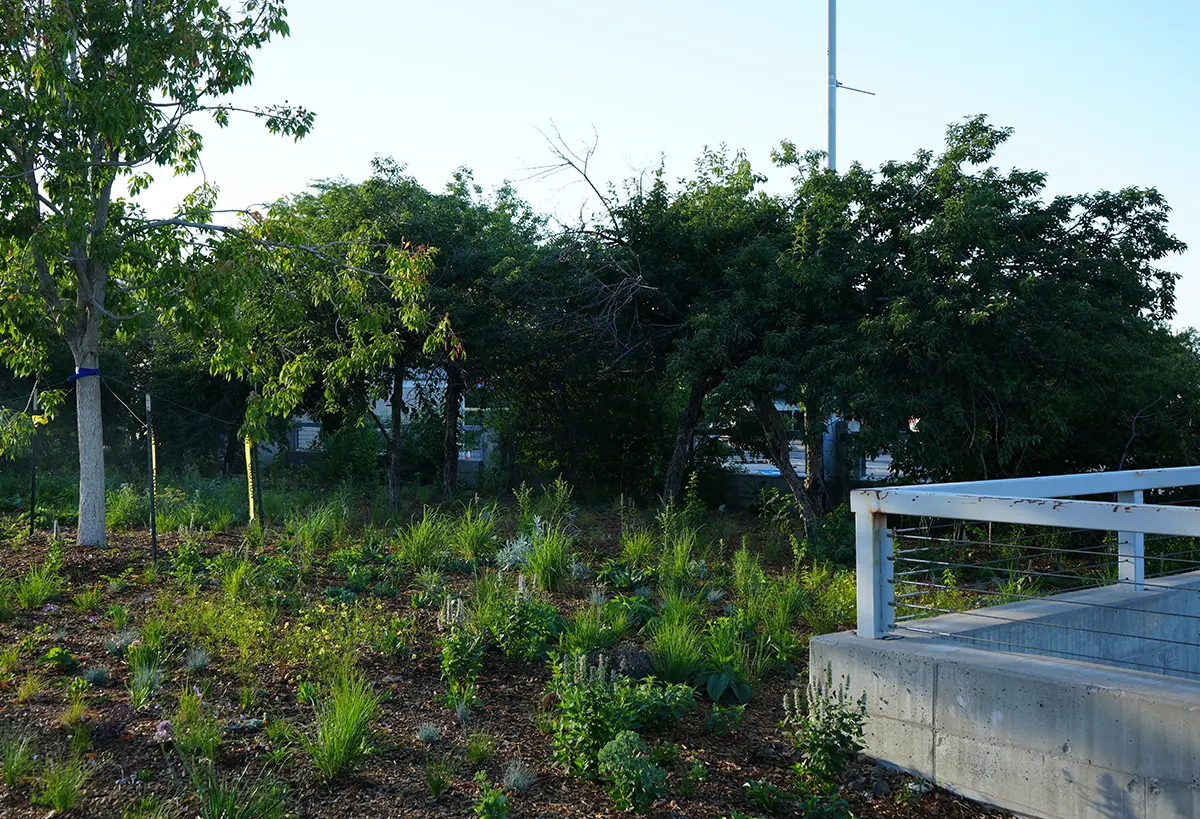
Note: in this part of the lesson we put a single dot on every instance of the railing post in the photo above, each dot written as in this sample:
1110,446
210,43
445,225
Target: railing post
1131,548
876,593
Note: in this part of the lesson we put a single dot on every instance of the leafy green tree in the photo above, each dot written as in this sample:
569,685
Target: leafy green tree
1025,333
332,334
93,95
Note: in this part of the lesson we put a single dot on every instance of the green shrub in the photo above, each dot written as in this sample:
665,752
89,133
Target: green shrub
528,625
343,726
462,646
634,781
590,714
734,661
826,727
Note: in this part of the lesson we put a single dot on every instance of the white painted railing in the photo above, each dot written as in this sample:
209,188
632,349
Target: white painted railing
1045,501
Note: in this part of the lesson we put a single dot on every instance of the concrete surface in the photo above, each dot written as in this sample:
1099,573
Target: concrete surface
1043,736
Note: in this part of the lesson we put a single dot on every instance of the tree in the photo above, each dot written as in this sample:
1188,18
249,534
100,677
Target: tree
447,254
1025,333
91,96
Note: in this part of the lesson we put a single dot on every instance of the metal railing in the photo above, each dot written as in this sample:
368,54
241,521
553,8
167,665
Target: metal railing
963,548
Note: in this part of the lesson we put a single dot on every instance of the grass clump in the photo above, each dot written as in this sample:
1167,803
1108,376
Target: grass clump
60,784
518,777
423,544
471,536
481,749
676,650
235,798
550,558
343,726
16,759
90,599
39,585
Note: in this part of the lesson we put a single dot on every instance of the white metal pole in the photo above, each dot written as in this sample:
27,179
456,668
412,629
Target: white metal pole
833,85
1131,548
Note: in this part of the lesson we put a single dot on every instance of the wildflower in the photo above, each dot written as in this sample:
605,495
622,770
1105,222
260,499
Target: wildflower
50,607
163,732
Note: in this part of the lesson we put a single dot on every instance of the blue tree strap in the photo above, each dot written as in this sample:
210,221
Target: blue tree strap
82,372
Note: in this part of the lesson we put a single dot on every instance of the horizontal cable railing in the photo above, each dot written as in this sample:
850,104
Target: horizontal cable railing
1102,567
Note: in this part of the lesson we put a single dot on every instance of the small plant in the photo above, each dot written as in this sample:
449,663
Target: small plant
119,644
119,616
16,759
590,714
638,548
154,634
634,780
236,798
97,675
76,710
588,630
32,685
471,535
60,658
461,698
10,658
462,645
196,660
526,625
147,807
437,777
343,728
39,585
676,650
146,675
725,719
61,784
518,777
481,748
550,558
89,600
689,783
824,806
428,733
247,694
308,692
826,728
766,795
423,544
492,802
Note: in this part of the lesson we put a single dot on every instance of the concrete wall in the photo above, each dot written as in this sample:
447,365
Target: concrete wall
1040,736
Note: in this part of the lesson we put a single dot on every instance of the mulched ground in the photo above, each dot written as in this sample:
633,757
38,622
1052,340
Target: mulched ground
128,763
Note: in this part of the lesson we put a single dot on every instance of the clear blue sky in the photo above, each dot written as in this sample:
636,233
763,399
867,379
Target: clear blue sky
1102,93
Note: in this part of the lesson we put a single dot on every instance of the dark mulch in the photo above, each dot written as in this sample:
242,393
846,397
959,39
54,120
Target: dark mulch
392,783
